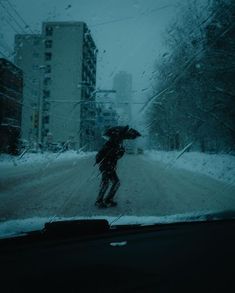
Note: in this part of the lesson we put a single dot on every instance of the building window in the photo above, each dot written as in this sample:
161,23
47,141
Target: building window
48,69
46,94
48,56
46,131
46,119
47,81
49,31
48,44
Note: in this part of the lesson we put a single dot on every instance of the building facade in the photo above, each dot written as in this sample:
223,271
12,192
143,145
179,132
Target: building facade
67,79
11,91
29,57
70,64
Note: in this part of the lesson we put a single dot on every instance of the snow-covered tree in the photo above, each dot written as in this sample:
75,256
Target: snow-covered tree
197,73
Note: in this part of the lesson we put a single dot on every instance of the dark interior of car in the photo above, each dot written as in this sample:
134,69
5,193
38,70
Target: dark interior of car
91,256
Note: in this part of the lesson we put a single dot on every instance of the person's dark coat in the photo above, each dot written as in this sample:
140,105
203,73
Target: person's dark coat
108,156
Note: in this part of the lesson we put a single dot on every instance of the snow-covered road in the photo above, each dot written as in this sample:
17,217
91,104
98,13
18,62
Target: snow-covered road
69,188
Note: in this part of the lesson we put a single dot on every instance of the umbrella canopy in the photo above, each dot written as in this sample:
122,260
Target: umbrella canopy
131,134
122,132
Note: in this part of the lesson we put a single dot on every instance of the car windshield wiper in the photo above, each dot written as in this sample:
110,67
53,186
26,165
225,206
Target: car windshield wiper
76,228
79,228
60,230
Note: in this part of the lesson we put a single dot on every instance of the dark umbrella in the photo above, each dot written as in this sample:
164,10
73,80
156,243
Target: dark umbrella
122,132
131,134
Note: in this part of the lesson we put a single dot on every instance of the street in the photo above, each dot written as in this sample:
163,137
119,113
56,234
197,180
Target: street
69,188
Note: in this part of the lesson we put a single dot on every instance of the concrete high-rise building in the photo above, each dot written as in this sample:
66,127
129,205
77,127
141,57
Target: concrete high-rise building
66,74
122,84
29,57
70,63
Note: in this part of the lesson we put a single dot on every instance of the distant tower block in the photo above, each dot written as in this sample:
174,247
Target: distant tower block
122,83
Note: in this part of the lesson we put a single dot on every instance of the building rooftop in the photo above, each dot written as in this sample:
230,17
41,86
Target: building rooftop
64,23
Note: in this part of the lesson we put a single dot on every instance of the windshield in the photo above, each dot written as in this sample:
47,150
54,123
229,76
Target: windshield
122,110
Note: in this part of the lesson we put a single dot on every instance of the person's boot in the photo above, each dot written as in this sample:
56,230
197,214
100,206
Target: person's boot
100,204
110,202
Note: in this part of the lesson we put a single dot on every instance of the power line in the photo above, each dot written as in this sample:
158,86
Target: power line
3,54
15,100
61,117
10,24
5,46
28,81
143,14
18,14
12,17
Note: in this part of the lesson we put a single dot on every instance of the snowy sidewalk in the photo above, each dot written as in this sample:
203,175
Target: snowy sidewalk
217,166
39,158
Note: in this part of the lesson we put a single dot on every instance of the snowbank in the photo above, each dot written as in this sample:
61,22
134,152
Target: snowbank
218,166
22,226
38,158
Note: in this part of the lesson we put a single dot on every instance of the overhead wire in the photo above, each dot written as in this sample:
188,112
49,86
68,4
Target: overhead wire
6,47
66,118
12,27
19,15
142,14
12,17
3,54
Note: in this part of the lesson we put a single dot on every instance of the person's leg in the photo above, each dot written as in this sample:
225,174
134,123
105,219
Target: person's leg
115,185
103,186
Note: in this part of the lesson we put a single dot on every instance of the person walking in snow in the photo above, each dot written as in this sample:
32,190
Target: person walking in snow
107,159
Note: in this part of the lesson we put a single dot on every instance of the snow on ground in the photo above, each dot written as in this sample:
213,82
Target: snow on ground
40,158
218,166
22,226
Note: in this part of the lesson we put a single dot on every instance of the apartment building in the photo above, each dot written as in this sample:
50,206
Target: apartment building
66,81
70,80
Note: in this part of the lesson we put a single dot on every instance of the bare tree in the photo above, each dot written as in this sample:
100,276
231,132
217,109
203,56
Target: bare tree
198,71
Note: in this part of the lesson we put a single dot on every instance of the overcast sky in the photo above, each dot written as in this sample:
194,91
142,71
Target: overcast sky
128,33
